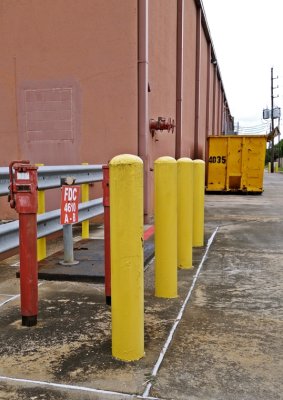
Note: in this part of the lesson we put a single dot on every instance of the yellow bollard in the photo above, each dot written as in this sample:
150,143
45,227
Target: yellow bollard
269,167
276,166
198,203
126,235
185,212
85,197
165,209
41,243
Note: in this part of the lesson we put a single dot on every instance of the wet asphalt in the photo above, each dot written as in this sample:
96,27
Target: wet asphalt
220,339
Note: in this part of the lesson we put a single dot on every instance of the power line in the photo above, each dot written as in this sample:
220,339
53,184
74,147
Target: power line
253,129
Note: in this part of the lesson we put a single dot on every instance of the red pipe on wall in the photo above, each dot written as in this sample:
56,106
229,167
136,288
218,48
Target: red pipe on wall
208,91
179,81
208,100
143,128
214,100
197,92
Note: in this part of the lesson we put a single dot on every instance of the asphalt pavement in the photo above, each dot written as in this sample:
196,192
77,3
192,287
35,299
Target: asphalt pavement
220,339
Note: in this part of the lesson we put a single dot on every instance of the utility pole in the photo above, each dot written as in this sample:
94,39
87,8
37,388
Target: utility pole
273,116
272,125
279,153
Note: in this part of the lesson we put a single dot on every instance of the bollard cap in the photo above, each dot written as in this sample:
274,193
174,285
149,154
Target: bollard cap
199,161
125,159
165,159
186,160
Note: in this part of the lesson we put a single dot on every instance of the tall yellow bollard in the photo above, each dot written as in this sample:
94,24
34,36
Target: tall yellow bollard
126,235
269,167
198,201
185,174
41,243
276,166
85,197
165,210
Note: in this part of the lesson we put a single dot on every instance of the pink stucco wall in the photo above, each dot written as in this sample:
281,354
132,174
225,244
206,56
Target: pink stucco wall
162,72
162,78
68,81
54,49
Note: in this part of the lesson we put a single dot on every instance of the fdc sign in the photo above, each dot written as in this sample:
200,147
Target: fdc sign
70,204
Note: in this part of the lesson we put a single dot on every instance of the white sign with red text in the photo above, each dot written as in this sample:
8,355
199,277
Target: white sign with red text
70,204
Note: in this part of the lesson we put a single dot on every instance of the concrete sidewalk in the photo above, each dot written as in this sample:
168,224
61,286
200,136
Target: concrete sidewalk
220,339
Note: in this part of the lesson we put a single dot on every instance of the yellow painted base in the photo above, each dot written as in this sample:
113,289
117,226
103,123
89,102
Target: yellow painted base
126,232
165,211
198,201
185,212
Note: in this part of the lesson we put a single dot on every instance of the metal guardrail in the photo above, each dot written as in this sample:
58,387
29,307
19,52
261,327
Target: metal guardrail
47,224
49,177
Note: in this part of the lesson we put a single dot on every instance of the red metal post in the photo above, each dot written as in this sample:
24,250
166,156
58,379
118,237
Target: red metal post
23,197
28,269
107,260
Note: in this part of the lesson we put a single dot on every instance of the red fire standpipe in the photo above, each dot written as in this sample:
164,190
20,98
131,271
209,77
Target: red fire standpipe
23,197
107,261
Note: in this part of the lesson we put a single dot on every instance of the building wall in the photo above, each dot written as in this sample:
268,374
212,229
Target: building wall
69,82
162,72
216,105
202,133
189,75
221,124
211,100
162,32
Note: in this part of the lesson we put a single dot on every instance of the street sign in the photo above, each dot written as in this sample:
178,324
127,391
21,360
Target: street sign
70,204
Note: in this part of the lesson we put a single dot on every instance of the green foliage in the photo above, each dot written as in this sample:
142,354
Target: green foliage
278,152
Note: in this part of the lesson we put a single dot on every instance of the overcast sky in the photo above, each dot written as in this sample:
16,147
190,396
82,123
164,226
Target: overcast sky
247,38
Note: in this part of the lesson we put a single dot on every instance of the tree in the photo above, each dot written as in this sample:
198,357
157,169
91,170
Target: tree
278,152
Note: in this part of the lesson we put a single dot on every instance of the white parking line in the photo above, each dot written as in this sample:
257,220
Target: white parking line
17,264
178,319
75,387
10,299
154,372
149,263
14,297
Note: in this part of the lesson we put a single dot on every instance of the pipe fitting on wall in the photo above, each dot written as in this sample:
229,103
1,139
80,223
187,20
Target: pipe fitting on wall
161,125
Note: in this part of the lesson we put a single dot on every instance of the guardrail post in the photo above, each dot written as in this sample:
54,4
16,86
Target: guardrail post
185,212
107,259
126,227
41,243
85,197
67,225
165,209
198,203
68,246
